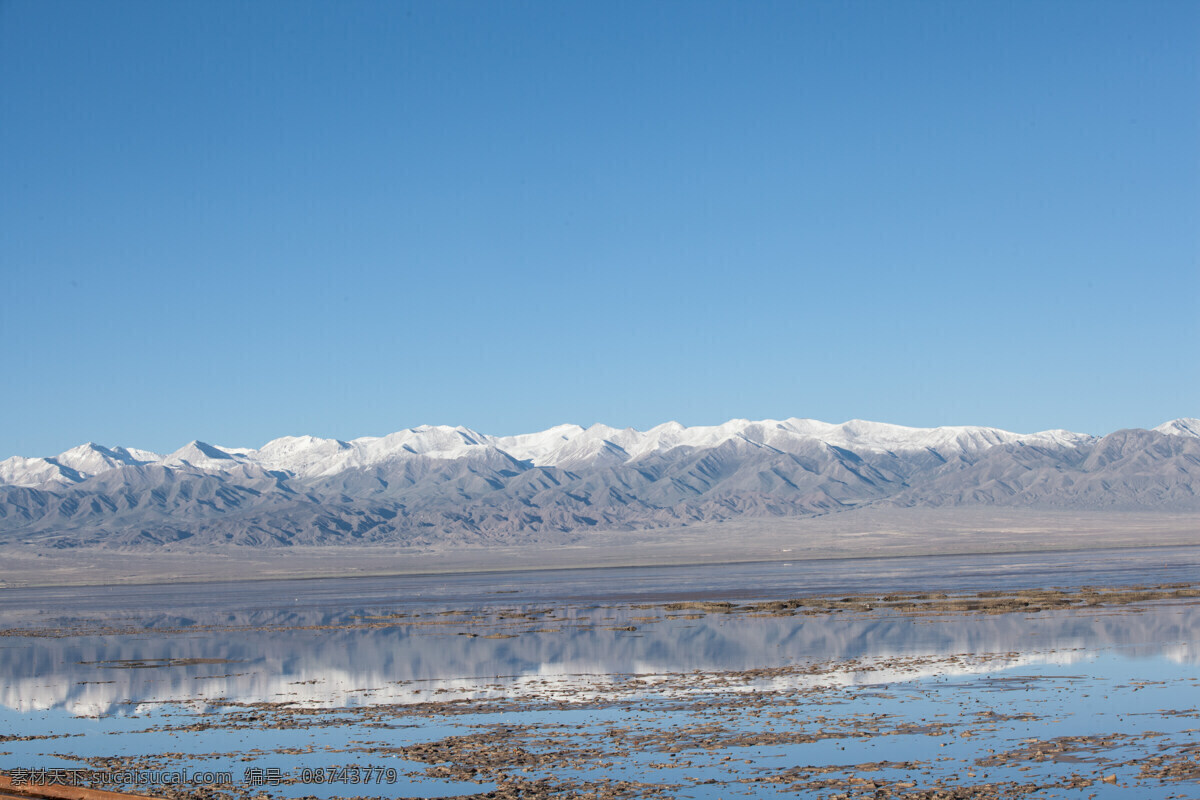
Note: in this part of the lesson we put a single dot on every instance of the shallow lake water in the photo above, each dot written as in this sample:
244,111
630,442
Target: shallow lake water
603,681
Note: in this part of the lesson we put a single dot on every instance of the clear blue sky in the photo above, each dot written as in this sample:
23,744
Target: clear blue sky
234,221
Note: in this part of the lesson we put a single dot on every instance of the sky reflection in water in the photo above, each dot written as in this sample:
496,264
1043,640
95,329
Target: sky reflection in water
171,657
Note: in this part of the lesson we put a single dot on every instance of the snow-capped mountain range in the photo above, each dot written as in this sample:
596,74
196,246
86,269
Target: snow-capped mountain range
563,446
457,482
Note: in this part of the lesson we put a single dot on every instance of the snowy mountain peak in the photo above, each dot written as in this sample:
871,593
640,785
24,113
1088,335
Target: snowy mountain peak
300,455
92,459
19,471
202,455
1184,426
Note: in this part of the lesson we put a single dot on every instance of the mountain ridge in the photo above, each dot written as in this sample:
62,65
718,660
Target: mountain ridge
454,485
310,455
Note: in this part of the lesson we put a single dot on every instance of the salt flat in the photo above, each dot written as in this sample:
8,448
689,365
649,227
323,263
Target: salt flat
868,533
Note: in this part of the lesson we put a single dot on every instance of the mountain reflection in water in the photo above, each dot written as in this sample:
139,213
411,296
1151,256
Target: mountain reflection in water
356,658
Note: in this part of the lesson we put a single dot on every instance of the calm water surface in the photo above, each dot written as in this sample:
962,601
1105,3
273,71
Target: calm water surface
167,674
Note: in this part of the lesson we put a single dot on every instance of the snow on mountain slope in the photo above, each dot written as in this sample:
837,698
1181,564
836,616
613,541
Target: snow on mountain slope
20,471
536,446
309,456
788,436
300,455
73,466
568,446
1184,426
202,456
564,446
92,459
883,437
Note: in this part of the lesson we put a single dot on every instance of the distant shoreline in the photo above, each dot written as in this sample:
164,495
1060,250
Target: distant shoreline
869,534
